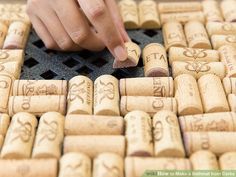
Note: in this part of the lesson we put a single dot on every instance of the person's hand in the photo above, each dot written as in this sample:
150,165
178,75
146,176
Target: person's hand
73,24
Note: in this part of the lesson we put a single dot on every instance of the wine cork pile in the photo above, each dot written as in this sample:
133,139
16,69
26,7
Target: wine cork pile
181,115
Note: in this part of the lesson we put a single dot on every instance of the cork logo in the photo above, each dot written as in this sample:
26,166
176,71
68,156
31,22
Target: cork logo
107,91
195,53
2,67
16,32
205,142
215,125
29,88
171,121
130,51
175,36
4,54
147,9
72,170
23,131
112,123
128,10
158,89
231,39
158,131
76,90
155,56
3,84
197,66
26,103
49,131
47,90
112,171
227,27
157,104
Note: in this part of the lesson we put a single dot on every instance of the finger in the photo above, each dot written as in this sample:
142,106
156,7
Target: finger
40,28
43,33
76,25
115,13
57,30
101,19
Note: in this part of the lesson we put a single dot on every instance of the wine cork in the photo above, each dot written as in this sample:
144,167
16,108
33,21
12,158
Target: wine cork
220,121
108,164
6,82
148,15
148,104
228,10
191,54
20,137
228,161
136,166
49,137
228,56
29,168
220,28
232,102
37,105
198,68
93,125
12,56
1,141
204,160
39,87
80,96
216,142
212,11
94,145
139,134
134,53
17,35
12,68
147,86
4,123
106,96
212,94
129,13
229,85
173,34
182,17
167,137
155,61
187,95
196,35
220,40
75,164
3,33
169,7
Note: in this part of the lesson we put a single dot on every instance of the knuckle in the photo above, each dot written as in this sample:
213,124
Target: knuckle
80,36
50,44
32,3
97,11
65,44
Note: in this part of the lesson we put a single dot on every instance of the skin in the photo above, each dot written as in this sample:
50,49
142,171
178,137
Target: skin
70,25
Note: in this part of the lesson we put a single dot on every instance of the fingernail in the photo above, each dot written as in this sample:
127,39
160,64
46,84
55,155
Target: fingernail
120,53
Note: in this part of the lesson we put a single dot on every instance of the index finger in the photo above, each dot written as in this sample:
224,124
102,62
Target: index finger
100,17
